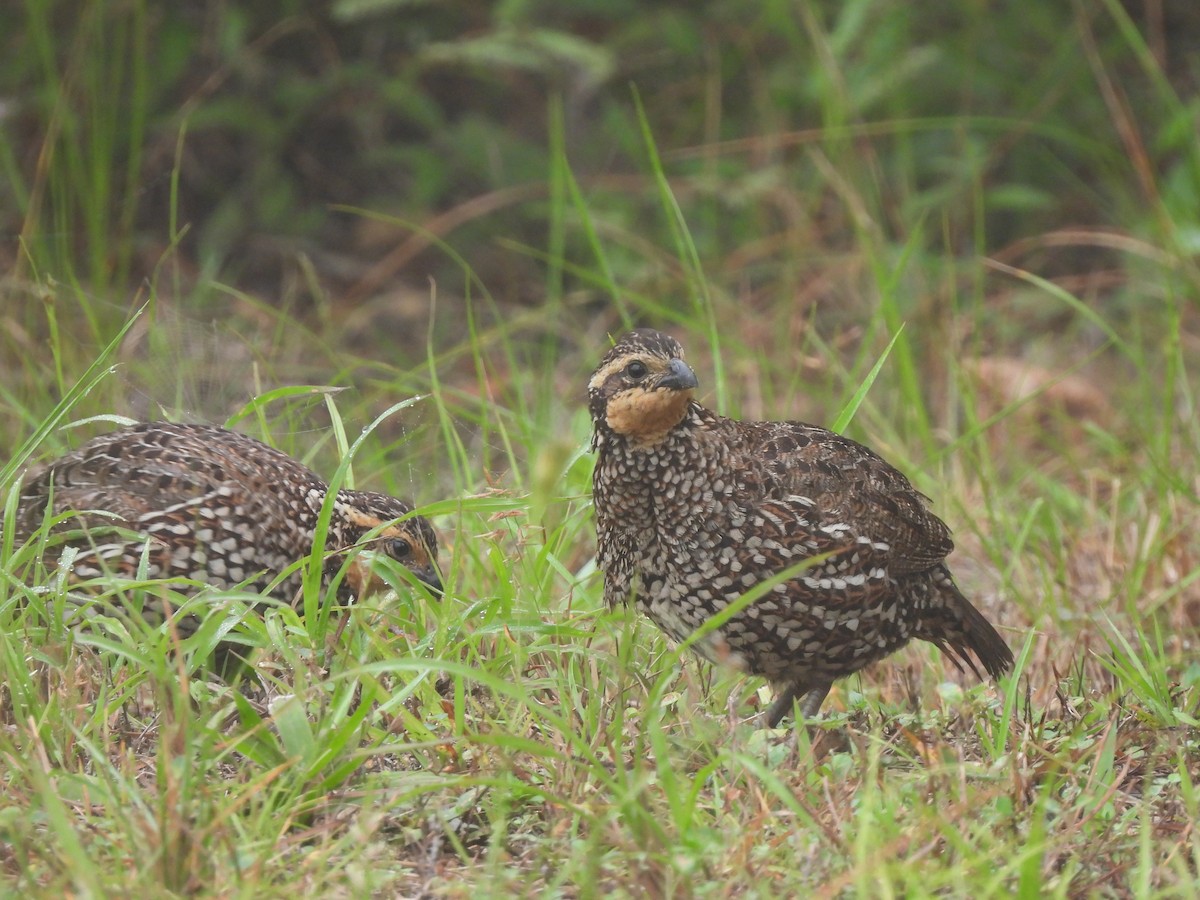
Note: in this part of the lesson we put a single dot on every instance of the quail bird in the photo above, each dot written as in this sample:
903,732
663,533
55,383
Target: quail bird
214,506
693,510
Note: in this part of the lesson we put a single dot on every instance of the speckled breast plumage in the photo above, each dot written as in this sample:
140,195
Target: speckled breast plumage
845,553
211,505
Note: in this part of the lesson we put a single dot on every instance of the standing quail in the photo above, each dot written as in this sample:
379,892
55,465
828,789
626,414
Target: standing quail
693,510
213,506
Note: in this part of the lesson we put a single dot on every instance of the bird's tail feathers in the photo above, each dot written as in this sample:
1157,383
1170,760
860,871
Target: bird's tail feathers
960,631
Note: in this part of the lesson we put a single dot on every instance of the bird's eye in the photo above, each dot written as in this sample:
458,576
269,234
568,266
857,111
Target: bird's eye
636,370
401,549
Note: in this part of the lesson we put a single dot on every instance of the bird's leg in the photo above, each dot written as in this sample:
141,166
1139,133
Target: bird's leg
810,703
781,707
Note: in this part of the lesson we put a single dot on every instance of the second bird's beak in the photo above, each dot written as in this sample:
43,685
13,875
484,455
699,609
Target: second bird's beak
428,576
679,377
363,579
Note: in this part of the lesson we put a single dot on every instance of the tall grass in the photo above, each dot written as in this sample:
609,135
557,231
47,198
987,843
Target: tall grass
515,736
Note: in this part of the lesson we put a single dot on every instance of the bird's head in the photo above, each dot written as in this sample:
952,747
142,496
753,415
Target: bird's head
410,541
642,388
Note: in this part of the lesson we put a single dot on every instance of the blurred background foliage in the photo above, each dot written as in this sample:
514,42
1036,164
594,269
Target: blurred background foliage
228,132
343,163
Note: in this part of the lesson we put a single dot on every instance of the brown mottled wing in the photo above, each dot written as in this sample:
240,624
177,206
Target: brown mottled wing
81,481
851,485
159,483
126,473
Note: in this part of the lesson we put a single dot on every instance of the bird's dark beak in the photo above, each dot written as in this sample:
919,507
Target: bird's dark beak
428,576
679,377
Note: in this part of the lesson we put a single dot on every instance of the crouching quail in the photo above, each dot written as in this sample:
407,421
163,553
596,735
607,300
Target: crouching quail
693,510
215,506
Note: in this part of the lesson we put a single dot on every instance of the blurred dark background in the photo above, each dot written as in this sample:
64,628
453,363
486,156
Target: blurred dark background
237,129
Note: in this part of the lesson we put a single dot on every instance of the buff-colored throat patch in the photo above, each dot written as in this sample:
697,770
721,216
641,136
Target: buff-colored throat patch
645,416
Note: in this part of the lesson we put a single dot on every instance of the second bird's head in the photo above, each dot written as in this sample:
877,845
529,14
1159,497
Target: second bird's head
642,388
386,525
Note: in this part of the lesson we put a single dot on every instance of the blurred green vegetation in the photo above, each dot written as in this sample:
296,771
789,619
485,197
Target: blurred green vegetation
231,136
